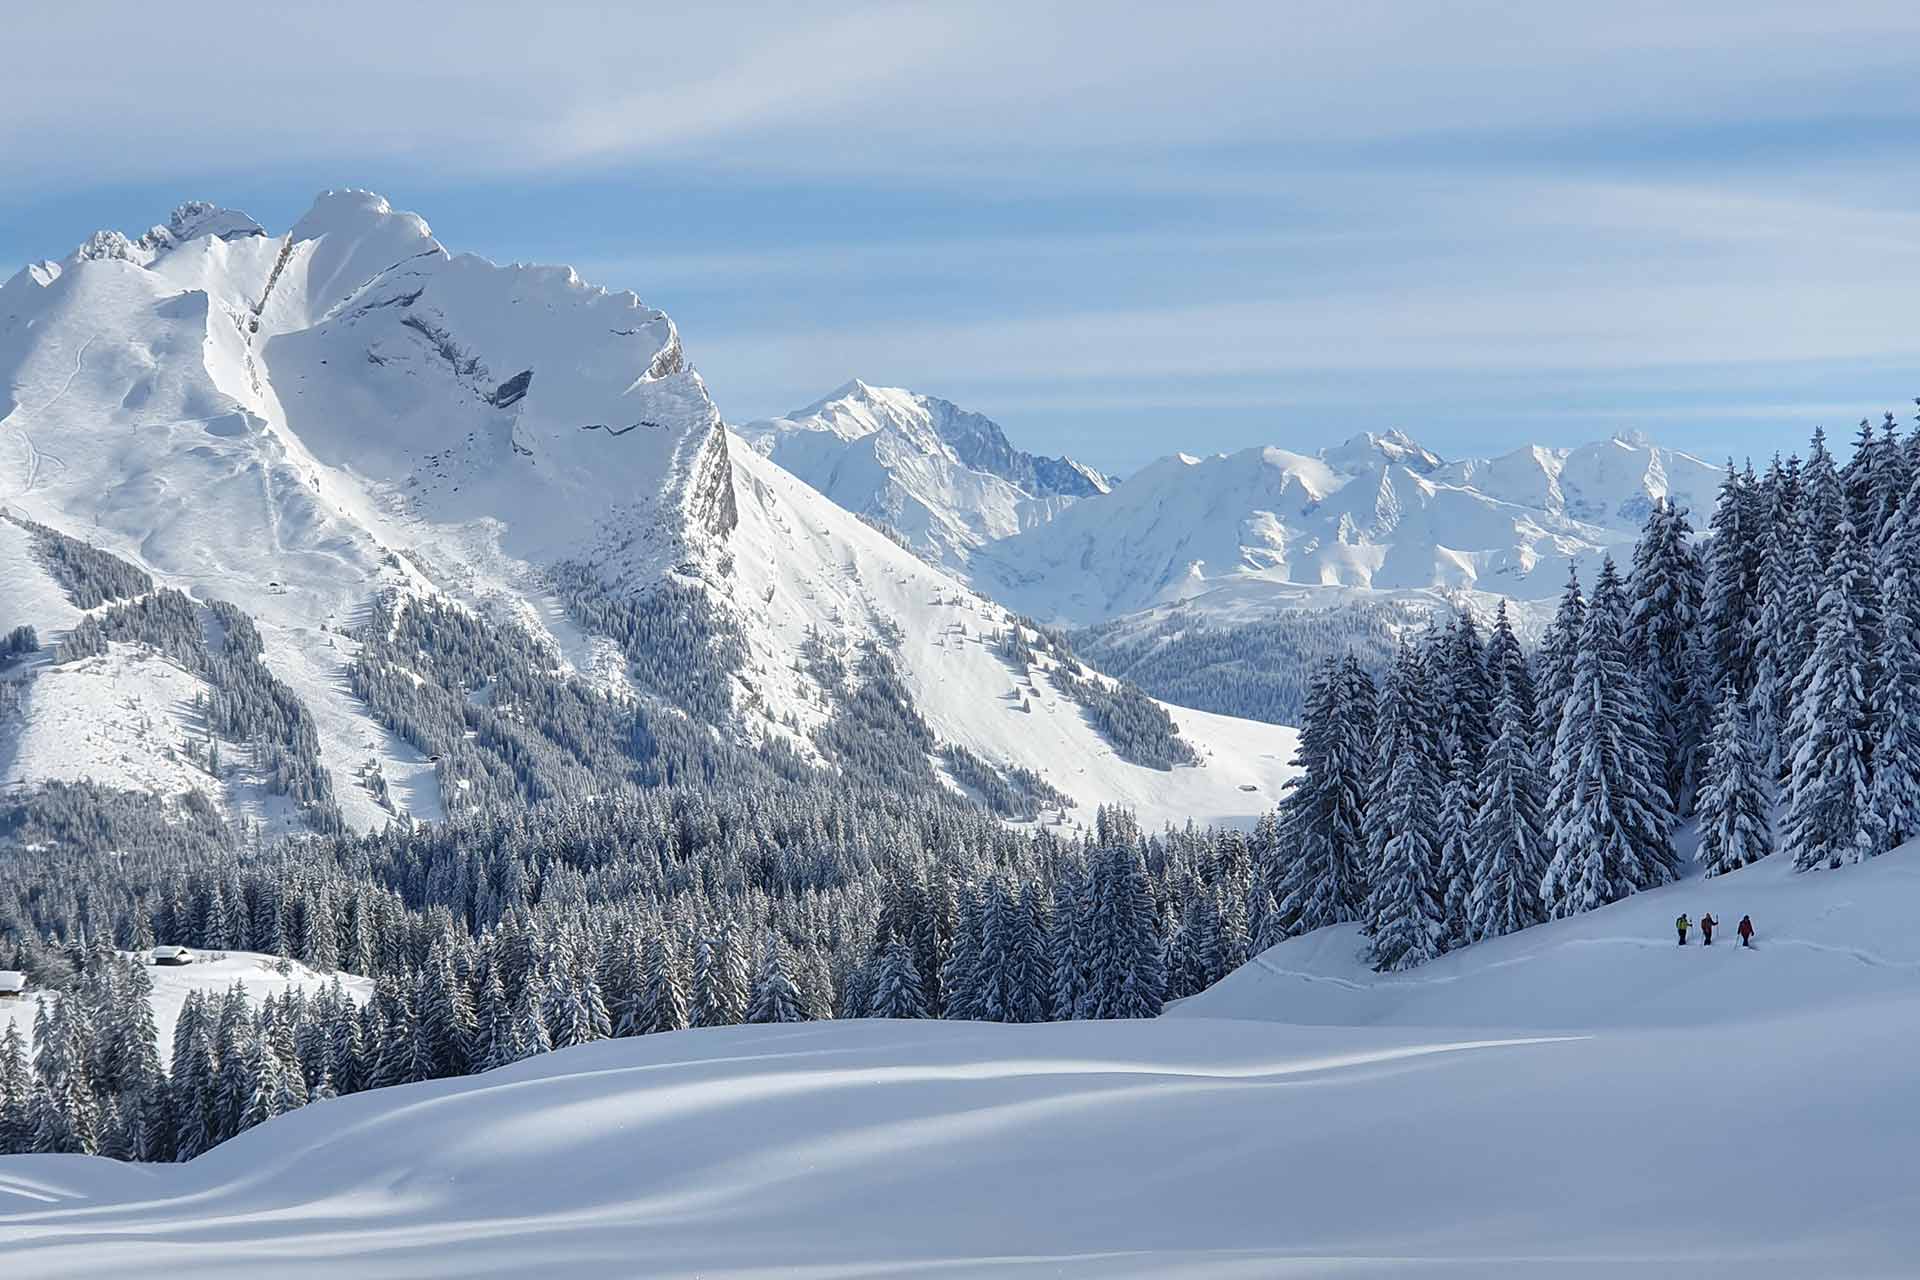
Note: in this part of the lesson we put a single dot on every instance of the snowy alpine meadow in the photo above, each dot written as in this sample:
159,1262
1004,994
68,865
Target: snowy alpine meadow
616,843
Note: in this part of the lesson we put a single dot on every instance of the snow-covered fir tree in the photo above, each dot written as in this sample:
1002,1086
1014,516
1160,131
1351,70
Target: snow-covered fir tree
896,985
1895,670
1464,691
774,997
1666,644
1736,795
1830,819
1508,841
1731,604
1612,819
1455,846
1321,845
1405,913
1554,664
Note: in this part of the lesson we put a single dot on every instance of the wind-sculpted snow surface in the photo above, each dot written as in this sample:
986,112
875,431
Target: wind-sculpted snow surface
1530,1106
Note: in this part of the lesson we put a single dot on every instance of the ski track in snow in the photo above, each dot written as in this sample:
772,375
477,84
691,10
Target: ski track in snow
34,453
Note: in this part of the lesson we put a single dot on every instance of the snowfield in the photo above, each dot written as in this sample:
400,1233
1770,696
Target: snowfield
1583,1099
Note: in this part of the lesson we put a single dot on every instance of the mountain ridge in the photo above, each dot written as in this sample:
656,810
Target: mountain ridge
330,422
1253,531
945,479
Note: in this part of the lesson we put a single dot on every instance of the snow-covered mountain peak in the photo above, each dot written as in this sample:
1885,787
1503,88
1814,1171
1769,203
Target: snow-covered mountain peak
1366,450
190,221
1375,513
198,218
946,479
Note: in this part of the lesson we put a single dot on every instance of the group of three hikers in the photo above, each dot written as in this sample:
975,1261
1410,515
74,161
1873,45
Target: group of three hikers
1708,924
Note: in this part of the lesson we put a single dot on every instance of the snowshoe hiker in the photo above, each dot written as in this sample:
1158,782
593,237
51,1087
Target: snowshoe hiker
1745,931
1683,924
1707,925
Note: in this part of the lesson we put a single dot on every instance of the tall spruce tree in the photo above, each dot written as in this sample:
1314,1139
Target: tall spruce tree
1736,797
1830,817
1322,827
1405,914
1558,649
896,985
1895,695
1730,607
1128,976
1663,643
1509,673
1818,518
1465,692
1612,819
774,997
1455,835
1508,841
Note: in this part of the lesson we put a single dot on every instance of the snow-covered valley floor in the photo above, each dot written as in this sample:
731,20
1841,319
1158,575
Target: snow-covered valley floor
1584,1099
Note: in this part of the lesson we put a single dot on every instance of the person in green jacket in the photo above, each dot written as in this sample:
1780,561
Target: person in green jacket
1683,924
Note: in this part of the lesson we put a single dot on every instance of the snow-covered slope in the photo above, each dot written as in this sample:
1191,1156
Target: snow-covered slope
946,480
804,566
1542,1107
1377,514
1822,938
298,423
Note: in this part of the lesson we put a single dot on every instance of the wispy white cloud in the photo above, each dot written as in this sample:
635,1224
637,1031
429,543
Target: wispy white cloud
491,87
1228,199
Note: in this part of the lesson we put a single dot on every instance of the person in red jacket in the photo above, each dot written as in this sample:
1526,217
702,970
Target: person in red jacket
1745,931
1707,925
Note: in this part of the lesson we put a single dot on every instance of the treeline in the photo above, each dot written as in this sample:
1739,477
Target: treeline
1137,728
677,645
17,644
1011,791
504,934
246,704
509,727
1256,671
1476,792
90,577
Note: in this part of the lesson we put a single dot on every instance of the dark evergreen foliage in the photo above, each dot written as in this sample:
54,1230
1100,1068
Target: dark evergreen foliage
90,577
1259,671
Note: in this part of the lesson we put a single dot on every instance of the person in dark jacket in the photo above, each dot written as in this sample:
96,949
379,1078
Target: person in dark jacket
1683,924
1707,925
1745,931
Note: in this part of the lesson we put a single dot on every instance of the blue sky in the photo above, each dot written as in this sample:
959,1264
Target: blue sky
1118,231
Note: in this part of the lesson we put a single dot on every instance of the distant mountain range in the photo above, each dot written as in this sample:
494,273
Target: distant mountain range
1240,533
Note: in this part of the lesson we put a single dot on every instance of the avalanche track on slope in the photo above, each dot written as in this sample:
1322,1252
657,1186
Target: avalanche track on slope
1272,1127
